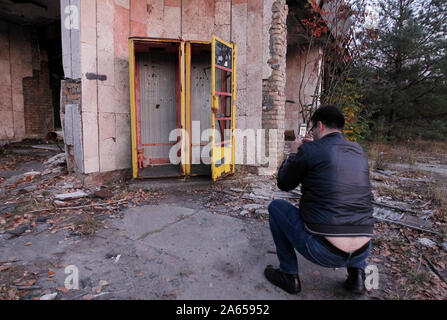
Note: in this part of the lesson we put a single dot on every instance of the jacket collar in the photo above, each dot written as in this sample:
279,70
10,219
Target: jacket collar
333,135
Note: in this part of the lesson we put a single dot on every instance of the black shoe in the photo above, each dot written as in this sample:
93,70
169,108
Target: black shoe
288,282
356,281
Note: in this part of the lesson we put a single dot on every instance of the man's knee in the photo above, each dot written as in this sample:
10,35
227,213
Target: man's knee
275,206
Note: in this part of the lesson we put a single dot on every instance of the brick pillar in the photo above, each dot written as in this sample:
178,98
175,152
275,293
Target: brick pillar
273,102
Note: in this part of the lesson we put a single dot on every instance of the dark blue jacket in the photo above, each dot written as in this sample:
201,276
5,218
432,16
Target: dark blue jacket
336,191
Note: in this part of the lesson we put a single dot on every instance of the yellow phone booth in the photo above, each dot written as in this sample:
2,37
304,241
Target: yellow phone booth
182,99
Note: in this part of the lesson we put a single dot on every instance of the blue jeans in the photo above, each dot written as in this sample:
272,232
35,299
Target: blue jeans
289,234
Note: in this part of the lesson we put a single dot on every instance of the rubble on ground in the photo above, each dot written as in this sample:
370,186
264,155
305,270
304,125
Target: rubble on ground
37,195
427,242
71,195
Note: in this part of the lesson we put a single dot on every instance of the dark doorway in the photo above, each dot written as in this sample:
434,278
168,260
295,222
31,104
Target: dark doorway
50,38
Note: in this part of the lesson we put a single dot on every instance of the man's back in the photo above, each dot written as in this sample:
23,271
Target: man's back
334,175
333,225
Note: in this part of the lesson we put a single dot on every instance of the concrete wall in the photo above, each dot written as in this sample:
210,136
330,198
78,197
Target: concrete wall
105,28
302,70
16,63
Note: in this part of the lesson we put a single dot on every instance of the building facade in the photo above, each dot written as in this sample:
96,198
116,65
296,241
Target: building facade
92,99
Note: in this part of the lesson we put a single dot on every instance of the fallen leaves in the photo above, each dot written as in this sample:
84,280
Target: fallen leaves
12,294
15,281
99,287
5,267
62,289
398,251
27,283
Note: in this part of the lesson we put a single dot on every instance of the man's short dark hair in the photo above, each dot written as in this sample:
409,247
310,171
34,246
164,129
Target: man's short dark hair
330,116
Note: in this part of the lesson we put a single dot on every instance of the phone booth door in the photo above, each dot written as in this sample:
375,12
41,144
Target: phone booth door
223,95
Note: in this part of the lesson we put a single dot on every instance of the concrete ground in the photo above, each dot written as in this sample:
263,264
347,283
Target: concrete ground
176,249
194,239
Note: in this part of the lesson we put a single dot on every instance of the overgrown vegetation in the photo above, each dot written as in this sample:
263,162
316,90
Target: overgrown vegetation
403,71
87,224
386,71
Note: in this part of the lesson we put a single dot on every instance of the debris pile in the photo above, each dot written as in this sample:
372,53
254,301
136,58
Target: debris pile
55,164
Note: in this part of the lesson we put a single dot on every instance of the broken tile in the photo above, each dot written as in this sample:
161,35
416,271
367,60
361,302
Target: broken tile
71,195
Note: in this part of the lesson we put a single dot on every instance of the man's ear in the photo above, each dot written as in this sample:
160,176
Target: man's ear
320,126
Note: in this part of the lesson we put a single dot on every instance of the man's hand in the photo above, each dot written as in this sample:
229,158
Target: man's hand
299,141
296,144
308,138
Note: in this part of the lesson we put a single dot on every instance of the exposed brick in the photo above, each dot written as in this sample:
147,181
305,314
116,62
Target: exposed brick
274,87
38,103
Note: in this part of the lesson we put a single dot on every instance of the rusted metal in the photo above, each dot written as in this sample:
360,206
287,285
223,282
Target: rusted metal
159,102
200,95
223,68
158,144
159,161
228,94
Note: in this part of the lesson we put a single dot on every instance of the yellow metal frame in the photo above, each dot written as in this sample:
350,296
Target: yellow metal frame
132,65
182,108
233,107
132,107
217,153
188,105
187,59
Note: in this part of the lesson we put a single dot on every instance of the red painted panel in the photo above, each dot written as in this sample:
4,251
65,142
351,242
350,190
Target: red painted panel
206,8
104,13
137,102
223,68
158,144
255,5
172,3
159,161
228,94
221,143
138,11
121,32
138,29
